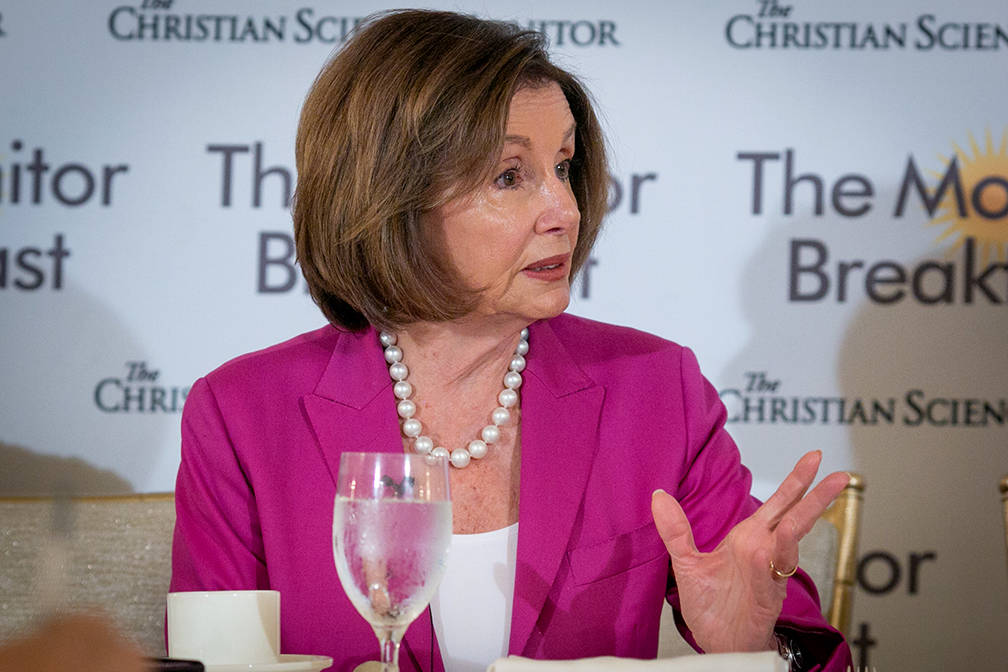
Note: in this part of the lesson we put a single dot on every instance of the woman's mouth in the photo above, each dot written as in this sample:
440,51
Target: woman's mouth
550,268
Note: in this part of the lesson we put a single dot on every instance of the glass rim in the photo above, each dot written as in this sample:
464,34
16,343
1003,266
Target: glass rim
392,476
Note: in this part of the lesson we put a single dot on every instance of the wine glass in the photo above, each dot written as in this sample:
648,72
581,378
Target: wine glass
392,524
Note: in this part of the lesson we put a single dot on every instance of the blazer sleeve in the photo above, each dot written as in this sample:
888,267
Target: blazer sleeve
715,496
217,542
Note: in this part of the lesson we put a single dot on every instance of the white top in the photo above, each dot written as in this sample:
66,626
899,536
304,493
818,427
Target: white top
472,607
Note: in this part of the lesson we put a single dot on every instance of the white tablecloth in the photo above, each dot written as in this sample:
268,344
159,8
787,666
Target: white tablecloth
765,661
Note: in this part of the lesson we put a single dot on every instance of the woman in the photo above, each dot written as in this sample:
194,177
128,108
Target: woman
451,180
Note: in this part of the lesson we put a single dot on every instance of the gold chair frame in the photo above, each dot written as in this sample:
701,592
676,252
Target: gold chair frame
845,514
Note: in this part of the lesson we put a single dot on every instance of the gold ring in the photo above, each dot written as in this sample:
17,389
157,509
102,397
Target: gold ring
782,575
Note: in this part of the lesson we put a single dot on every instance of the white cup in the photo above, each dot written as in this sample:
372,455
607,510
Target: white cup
225,626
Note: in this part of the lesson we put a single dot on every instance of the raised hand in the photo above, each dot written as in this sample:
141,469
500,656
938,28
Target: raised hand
732,596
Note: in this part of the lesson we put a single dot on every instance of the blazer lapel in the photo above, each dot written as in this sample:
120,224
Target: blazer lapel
352,409
560,415
348,410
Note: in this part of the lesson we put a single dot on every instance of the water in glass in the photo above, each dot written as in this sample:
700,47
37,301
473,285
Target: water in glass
392,525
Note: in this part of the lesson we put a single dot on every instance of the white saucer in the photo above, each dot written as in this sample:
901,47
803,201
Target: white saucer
287,663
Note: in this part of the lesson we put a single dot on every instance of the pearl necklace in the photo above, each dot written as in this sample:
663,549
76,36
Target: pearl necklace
406,408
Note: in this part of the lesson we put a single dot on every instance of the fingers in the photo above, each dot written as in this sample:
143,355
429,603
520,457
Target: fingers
799,519
672,525
784,560
791,490
804,514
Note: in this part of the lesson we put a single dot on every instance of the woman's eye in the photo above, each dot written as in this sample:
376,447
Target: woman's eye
563,169
508,179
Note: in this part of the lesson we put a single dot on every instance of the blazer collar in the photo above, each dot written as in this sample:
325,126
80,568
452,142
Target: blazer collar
356,372
347,409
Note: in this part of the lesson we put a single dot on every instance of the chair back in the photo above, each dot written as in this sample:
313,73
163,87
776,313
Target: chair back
111,553
1004,506
828,554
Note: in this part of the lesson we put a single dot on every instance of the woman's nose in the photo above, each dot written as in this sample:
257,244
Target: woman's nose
560,209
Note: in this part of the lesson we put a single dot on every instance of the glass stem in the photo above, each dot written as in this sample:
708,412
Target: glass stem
389,642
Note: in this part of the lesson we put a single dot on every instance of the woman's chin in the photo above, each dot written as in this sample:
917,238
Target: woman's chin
548,305
530,309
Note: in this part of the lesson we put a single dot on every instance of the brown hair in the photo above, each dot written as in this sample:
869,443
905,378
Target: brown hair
410,113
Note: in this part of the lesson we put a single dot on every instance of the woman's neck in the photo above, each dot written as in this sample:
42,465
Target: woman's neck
461,353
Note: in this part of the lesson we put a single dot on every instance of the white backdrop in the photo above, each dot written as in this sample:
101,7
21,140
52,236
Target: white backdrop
775,208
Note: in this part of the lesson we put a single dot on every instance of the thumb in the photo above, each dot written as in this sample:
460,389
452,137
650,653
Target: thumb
672,525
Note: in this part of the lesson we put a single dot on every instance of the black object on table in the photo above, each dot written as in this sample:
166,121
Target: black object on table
173,665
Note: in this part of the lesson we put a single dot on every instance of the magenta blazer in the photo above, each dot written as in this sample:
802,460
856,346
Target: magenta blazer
609,414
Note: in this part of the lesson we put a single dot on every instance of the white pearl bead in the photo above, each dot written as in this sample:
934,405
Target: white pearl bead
490,434
524,334
500,415
398,371
387,338
393,354
440,451
406,408
423,445
522,348
517,364
512,380
507,398
403,389
411,427
477,449
459,457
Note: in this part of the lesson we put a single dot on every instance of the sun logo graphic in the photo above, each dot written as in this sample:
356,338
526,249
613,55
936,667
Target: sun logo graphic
974,198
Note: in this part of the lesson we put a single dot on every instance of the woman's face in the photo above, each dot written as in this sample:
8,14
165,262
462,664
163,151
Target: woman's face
512,238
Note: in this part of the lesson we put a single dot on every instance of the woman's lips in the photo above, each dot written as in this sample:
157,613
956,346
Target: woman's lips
550,268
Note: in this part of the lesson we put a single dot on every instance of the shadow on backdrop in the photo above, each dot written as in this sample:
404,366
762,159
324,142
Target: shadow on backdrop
933,545
24,473
932,588
57,347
